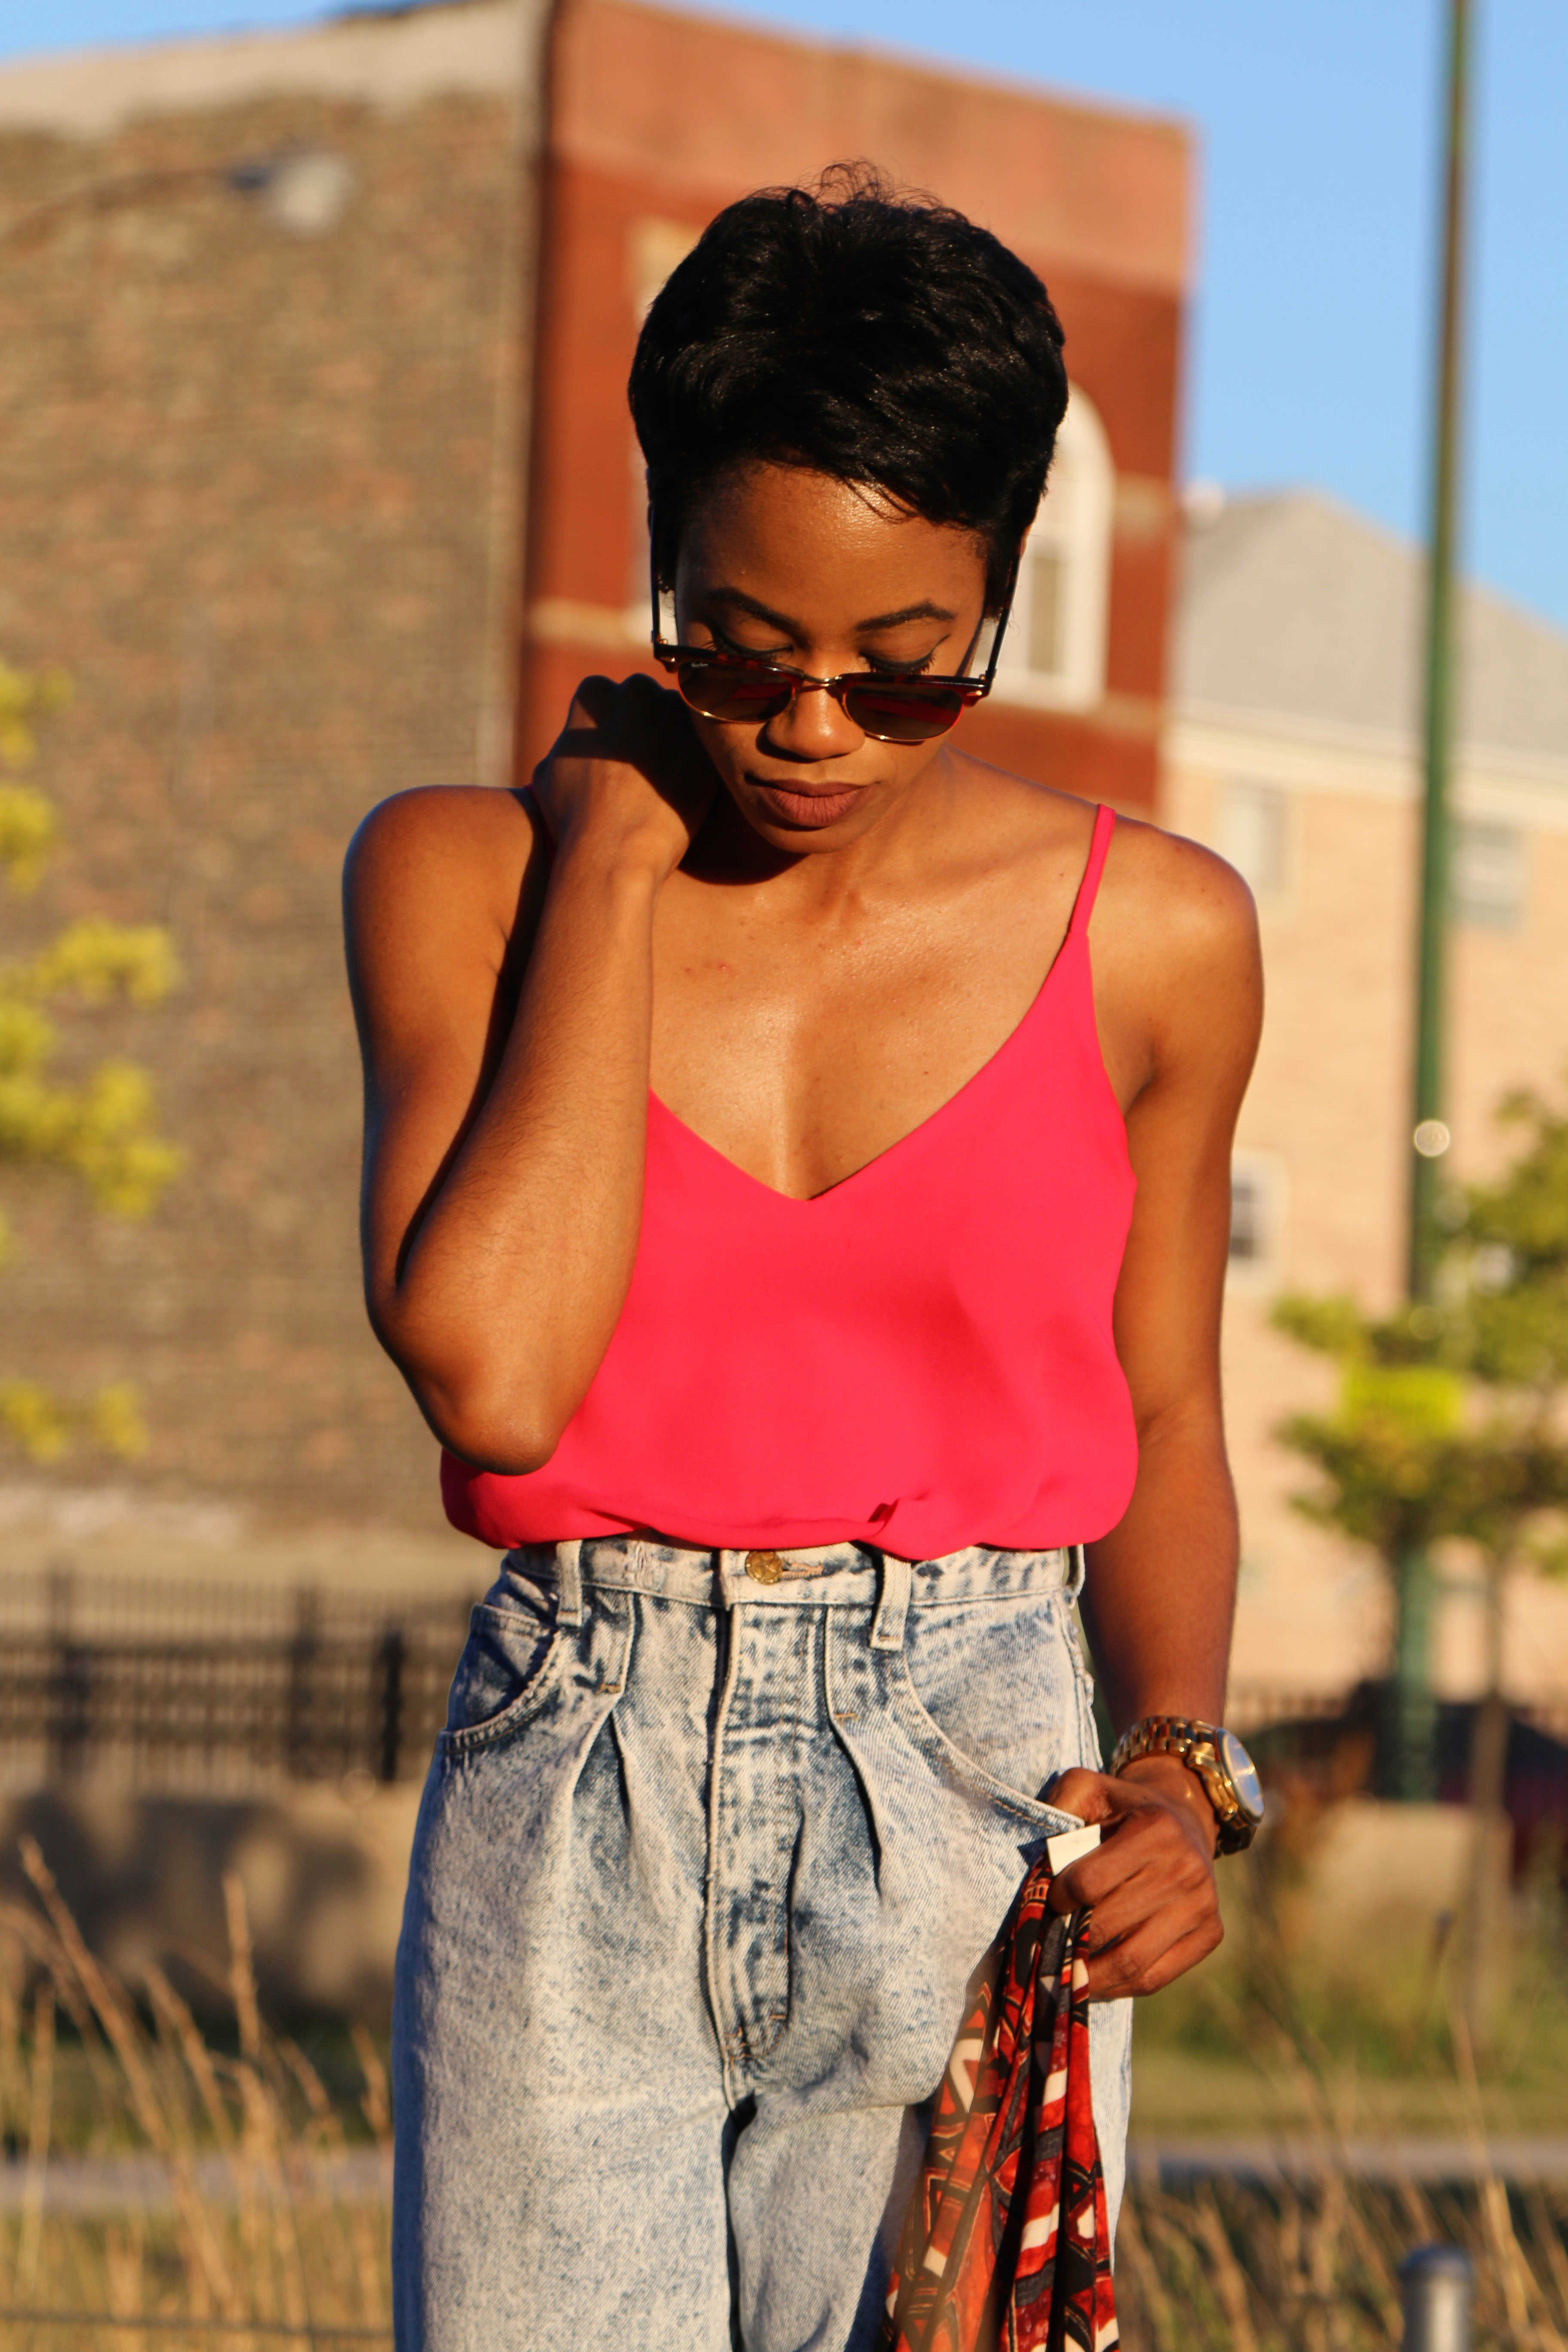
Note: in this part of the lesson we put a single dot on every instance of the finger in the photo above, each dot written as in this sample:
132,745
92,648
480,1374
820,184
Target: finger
608,715
1091,1879
596,695
1153,1845
1135,1847
1133,1947
1129,1968
1115,1976
1129,1910
1096,1797
1082,1794
1079,1791
1146,1863
655,729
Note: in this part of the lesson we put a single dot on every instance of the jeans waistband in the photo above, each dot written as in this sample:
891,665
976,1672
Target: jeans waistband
826,1576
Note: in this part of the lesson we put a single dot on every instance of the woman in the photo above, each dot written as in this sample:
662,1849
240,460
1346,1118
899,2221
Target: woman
797,1194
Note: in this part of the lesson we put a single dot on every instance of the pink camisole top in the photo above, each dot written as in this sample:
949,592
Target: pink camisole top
920,1358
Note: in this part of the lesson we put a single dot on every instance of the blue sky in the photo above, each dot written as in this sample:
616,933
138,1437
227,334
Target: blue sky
1313,323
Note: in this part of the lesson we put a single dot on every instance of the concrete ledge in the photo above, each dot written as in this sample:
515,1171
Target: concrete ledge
88,2185
1513,2157
323,1870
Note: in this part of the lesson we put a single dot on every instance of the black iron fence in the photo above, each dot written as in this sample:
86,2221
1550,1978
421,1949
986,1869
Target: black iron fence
223,1689
216,1689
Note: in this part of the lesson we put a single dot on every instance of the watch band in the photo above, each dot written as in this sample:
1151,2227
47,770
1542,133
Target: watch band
1199,1746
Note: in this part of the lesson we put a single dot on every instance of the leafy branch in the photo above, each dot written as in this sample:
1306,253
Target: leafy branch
102,1130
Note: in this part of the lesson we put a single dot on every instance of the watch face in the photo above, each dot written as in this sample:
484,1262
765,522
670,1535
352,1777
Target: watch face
1243,1775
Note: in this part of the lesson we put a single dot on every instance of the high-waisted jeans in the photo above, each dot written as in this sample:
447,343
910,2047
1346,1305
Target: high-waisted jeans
705,1859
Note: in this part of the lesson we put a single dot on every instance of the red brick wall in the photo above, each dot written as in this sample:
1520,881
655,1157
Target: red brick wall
666,117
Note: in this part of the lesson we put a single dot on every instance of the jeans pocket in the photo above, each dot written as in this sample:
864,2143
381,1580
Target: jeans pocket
988,1691
508,1663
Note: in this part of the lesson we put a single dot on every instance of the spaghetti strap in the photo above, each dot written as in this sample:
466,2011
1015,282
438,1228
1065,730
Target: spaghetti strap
1100,841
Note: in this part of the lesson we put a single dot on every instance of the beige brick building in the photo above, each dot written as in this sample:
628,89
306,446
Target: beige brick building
1294,750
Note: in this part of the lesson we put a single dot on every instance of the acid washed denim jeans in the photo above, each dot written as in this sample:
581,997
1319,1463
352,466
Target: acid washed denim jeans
707,1854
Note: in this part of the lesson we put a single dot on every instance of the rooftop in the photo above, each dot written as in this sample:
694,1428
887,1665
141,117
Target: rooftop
1293,606
389,58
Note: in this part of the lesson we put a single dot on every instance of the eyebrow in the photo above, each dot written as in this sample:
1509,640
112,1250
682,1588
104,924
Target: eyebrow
738,597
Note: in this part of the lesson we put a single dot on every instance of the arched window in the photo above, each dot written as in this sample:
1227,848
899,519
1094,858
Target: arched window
1054,652
652,249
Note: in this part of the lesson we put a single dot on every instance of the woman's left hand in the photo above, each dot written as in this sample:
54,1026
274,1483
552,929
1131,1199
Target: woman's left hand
1148,1884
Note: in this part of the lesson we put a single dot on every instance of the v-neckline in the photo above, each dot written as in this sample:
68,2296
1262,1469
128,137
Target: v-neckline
921,1128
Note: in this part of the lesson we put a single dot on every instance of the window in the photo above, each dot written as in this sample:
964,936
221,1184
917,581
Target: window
1054,652
655,248
637,549
1252,835
1257,1216
652,249
1044,646
1487,874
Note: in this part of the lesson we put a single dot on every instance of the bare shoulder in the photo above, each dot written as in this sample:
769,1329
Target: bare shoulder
1177,898
440,855
441,890
1157,888
442,833
1178,979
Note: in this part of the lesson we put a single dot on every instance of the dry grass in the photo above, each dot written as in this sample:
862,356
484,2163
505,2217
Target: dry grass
256,2244
261,2240
1309,2260
1312,2265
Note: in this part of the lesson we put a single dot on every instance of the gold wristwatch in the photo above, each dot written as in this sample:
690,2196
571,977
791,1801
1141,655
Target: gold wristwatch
1216,1757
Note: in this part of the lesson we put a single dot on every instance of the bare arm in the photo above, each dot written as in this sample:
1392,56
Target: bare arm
506,1077
1162,1586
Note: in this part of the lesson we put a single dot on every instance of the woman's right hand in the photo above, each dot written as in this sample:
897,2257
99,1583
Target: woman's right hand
626,768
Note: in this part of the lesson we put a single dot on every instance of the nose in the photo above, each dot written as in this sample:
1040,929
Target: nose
814,725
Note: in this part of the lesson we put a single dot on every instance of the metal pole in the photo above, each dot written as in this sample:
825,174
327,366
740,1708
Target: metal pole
1414,1745
1436,2282
1413,1711
1429,1131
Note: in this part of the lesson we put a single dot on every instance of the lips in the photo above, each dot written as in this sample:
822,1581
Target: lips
808,811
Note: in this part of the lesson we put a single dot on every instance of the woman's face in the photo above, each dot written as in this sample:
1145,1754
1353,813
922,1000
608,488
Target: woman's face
825,577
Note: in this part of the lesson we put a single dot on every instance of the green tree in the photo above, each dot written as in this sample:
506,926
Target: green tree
100,1132
1448,1430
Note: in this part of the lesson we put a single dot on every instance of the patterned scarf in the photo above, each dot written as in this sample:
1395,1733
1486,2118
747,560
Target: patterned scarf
1006,2246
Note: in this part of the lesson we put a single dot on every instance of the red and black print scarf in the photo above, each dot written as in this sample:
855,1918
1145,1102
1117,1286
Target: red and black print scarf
1007,2244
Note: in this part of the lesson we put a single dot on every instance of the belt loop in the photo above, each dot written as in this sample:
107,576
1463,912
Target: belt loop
1077,1575
888,1625
569,1568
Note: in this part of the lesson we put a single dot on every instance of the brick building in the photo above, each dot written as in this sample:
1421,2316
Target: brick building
656,121
1293,749
281,316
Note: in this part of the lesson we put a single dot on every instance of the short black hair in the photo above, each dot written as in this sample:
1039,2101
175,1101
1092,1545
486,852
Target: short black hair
874,336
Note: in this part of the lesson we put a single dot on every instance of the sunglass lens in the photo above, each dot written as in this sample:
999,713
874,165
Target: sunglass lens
893,710
912,712
733,690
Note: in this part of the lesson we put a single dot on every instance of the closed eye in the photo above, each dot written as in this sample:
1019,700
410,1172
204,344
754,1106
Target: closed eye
876,665
724,644
899,670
